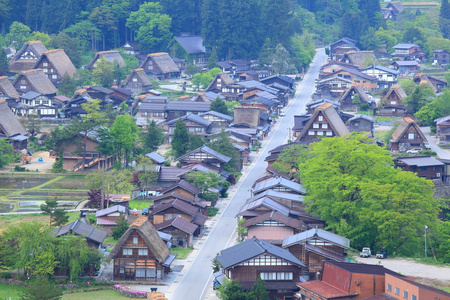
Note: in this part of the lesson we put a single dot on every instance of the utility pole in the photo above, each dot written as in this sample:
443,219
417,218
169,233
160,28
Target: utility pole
426,227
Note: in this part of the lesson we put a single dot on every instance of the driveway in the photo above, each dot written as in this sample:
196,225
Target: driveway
432,140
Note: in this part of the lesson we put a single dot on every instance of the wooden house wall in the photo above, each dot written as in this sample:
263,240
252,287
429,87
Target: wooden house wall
183,191
23,85
361,125
324,127
171,213
251,273
179,237
125,265
443,133
90,146
371,285
416,142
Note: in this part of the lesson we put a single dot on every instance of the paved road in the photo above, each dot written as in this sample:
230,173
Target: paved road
442,153
198,278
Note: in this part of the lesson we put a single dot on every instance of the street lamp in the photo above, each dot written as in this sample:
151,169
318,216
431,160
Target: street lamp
426,227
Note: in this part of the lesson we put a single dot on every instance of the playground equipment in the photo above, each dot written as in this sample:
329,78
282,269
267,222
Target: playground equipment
25,158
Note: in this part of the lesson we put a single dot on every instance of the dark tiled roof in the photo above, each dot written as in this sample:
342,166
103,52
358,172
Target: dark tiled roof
150,106
156,157
193,118
192,44
178,204
186,186
112,209
188,106
206,149
253,248
323,289
217,114
178,223
421,161
275,216
80,228
302,237
271,183
364,268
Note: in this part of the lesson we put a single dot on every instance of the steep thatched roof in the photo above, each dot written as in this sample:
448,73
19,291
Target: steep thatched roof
363,97
164,62
59,60
358,57
9,124
403,127
38,80
17,64
150,236
140,74
7,89
110,56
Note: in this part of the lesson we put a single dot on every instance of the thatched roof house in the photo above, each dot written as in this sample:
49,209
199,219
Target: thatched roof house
27,57
111,56
7,90
9,124
34,80
55,63
160,65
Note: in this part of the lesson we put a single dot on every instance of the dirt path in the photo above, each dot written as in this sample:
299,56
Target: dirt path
43,166
406,266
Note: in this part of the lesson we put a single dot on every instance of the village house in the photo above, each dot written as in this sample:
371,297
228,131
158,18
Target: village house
11,128
234,66
272,227
392,103
172,196
182,231
425,166
386,76
325,122
137,81
189,48
438,84
177,109
36,103
396,7
219,121
194,124
359,58
34,80
406,136
156,158
408,52
280,79
150,111
405,288
443,129
361,123
355,98
334,66
94,236
9,93
160,65
107,218
221,80
140,254
249,75
205,155
183,187
344,45
388,14
279,184
408,67
314,246
111,56
441,57
26,57
252,259
343,280
331,88
55,64
369,83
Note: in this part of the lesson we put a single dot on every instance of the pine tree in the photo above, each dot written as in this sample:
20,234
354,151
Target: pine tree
219,106
3,62
180,139
444,19
67,86
212,60
153,137
120,229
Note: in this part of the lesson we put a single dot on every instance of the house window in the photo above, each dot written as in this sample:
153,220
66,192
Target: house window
150,67
127,251
219,80
319,132
45,64
140,272
311,132
143,251
394,102
135,79
51,70
316,125
23,87
410,136
135,240
37,102
405,294
45,102
325,125
276,275
329,133
389,287
413,297
45,70
158,114
54,76
397,291
320,118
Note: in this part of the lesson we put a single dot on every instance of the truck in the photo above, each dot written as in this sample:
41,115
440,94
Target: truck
382,253
365,252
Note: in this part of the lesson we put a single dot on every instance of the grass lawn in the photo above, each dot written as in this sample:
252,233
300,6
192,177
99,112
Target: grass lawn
99,295
139,204
212,211
12,291
182,252
14,220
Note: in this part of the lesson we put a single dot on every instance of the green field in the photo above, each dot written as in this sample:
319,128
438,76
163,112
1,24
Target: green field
98,295
182,252
13,291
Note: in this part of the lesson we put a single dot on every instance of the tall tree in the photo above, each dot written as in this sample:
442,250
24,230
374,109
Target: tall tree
57,215
71,46
120,229
222,144
219,106
18,33
153,136
103,74
6,152
180,139
67,86
125,133
422,95
41,289
3,61
444,19
103,17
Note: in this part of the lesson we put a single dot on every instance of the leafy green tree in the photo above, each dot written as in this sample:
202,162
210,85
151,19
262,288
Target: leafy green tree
86,32
439,108
18,34
444,19
42,289
265,54
125,135
204,180
219,106
40,36
71,46
278,22
57,215
259,290
180,139
67,86
241,230
104,19
3,61
152,136
408,86
422,95
281,61
42,263
231,290
185,15
103,74
116,181
352,186
222,144
195,141
147,172
413,35
213,59
152,26
120,229
6,153
33,123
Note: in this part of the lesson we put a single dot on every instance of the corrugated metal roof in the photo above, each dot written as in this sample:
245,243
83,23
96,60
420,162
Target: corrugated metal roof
188,106
252,248
302,237
192,44
156,157
279,181
112,209
421,161
178,223
266,202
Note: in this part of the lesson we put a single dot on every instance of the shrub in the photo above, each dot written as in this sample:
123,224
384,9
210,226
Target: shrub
5,275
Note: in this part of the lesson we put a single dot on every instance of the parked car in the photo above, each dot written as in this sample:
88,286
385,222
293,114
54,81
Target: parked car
427,145
414,150
365,252
382,253
134,212
145,211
